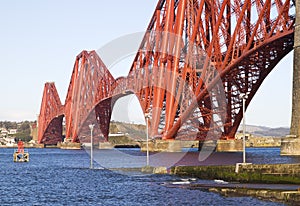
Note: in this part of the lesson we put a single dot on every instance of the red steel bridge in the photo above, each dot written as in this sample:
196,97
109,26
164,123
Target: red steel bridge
196,58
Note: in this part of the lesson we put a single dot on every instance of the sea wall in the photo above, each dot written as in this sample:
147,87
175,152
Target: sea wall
287,197
276,173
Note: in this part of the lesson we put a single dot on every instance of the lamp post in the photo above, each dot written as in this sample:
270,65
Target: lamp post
91,126
147,135
244,96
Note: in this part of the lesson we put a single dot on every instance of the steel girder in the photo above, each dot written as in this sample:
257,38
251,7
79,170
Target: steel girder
50,117
90,84
196,58
215,48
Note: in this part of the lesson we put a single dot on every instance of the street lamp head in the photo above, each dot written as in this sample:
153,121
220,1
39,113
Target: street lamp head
244,95
91,126
147,115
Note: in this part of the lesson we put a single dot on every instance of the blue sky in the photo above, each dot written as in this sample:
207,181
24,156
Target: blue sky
40,40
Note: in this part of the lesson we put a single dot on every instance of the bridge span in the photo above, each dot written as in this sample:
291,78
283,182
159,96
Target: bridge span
195,61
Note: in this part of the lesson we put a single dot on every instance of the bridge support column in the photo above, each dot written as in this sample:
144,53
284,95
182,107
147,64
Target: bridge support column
291,146
106,145
69,145
229,146
162,146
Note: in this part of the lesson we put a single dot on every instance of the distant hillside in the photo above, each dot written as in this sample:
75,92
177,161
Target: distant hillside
138,131
135,131
266,131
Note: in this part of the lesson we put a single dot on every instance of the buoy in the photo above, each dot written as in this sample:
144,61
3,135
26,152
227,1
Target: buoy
20,155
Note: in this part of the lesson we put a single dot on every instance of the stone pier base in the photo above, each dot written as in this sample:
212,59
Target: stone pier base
69,145
229,146
40,146
162,146
106,145
290,146
178,146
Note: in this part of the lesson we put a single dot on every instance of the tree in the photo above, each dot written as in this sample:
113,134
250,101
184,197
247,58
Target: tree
24,128
22,136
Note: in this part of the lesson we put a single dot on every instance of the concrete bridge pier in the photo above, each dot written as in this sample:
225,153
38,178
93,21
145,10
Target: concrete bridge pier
168,145
291,144
162,146
179,146
106,145
229,145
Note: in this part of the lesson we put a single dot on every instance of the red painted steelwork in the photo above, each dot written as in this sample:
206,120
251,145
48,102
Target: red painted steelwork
194,61
243,40
90,84
50,117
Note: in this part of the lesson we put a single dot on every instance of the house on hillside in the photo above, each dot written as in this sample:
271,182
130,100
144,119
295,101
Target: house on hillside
12,131
3,132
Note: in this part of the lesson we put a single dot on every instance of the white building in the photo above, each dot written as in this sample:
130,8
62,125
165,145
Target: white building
4,131
12,131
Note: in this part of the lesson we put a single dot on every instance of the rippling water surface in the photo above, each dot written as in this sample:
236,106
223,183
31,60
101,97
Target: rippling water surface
63,177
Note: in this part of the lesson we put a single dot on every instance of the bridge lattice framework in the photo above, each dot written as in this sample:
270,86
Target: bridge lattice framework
196,58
